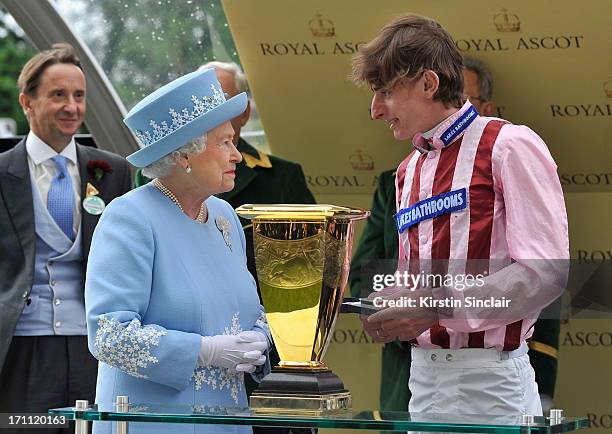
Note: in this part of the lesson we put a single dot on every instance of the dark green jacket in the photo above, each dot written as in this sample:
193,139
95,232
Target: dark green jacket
377,252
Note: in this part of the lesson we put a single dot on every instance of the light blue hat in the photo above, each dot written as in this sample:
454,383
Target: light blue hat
179,112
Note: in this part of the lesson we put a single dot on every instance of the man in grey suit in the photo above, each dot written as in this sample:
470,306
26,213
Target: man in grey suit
52,192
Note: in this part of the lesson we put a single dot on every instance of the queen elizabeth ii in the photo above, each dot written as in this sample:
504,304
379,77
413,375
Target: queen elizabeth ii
172,312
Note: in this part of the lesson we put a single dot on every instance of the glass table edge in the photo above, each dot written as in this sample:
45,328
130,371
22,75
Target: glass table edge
569,424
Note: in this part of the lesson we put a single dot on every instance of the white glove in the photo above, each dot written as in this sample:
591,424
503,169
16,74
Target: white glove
238,353
252,336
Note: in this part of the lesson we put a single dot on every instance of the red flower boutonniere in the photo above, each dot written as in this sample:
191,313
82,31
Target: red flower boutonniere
98,168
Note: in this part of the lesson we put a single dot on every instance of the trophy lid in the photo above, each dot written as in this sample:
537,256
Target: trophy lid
292,211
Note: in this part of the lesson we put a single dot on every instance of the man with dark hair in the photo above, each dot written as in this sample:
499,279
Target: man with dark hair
478,196
52,192
478,86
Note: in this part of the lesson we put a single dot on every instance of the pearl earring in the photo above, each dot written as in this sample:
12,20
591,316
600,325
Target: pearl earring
188,169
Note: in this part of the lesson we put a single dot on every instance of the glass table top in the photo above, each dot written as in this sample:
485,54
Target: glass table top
369,419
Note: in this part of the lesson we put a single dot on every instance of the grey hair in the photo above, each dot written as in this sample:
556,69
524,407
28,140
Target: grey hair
234,69
485,80
164,165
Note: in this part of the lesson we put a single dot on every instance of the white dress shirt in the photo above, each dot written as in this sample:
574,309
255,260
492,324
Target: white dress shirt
43,169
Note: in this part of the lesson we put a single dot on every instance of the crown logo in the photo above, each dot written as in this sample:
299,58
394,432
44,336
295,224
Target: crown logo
608,88
361,161
507,22
321,27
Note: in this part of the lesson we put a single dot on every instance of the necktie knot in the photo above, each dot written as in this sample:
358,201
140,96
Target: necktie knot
62,164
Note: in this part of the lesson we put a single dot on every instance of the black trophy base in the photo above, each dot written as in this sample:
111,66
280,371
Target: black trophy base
301,391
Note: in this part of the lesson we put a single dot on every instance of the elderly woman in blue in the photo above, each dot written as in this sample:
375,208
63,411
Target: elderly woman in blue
173,314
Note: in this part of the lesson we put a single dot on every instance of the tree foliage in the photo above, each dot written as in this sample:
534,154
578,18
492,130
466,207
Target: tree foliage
147,43
15,51
140,44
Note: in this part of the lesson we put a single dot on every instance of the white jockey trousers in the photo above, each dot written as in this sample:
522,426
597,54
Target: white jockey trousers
473,381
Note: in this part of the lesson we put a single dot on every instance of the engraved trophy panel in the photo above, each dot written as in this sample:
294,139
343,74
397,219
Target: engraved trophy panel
302,255
290,275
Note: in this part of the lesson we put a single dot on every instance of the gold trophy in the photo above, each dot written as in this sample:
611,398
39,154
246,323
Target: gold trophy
302,254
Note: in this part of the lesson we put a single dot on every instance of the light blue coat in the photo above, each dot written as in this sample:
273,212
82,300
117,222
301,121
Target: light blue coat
157,281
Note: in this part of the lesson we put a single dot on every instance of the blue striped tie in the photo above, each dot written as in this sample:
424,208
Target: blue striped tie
60,201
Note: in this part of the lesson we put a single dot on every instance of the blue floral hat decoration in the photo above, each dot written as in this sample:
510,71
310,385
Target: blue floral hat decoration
178,112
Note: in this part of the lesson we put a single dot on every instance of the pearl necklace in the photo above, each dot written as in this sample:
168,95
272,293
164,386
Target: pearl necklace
201,218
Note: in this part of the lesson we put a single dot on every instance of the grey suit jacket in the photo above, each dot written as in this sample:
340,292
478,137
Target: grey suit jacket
17,234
